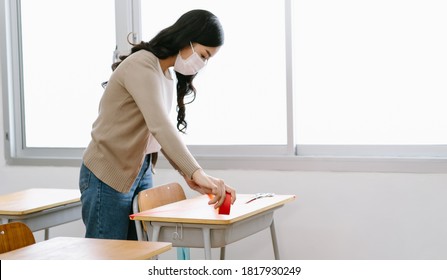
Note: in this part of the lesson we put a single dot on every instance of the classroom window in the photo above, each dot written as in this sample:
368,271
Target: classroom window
294,78
241,96
66,55
371,74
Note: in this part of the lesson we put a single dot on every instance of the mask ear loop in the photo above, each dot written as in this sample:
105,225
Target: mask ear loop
190,43
193,51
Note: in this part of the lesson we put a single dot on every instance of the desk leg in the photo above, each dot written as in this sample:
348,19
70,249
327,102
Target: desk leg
222,253
274,240
155,234
207,242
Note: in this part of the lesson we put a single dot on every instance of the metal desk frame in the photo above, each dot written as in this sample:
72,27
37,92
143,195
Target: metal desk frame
43,219
210,235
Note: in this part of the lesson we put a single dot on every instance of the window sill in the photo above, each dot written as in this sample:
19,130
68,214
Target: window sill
319,163
282,163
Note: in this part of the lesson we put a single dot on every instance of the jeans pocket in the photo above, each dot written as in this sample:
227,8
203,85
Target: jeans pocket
84,178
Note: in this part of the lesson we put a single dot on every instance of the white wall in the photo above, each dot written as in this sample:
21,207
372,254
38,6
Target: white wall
337,215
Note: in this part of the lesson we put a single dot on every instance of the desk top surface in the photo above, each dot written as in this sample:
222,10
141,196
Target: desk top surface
34,200
75,248
197,211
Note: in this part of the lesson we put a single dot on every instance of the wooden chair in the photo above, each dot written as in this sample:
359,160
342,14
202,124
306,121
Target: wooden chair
155,197
15,235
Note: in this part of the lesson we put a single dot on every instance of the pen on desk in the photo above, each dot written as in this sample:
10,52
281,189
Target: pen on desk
250,200
260,195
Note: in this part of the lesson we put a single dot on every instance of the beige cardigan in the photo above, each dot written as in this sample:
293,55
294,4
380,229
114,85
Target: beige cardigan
132,110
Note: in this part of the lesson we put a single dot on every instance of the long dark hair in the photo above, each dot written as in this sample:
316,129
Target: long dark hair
199,26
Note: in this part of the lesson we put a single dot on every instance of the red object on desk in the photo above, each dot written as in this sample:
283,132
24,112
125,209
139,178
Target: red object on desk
224,209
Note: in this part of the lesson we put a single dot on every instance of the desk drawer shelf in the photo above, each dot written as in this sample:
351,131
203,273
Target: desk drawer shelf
190,235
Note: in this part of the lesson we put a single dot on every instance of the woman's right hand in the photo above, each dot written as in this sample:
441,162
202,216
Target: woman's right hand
205,184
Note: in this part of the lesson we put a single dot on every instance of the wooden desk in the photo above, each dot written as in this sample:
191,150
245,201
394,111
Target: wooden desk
41,208
74,248
195,224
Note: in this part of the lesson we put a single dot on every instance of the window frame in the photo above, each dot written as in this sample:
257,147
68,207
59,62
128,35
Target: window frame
16,152
289,157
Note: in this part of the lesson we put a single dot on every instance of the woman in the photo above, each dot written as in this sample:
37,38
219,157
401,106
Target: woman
133,125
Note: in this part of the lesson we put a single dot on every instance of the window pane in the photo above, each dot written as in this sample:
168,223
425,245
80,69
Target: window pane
370,72
67,49
241,94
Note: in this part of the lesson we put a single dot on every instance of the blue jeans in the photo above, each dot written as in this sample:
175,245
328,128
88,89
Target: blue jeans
105,211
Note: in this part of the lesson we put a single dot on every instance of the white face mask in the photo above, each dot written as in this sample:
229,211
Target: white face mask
189,66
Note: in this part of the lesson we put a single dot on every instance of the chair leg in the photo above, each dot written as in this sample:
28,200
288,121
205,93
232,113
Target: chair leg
138,224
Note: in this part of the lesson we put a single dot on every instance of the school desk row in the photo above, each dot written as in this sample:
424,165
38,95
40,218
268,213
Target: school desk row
201,226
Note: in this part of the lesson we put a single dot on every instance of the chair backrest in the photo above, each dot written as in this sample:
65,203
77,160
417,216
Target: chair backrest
155,197
160,195
15,235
